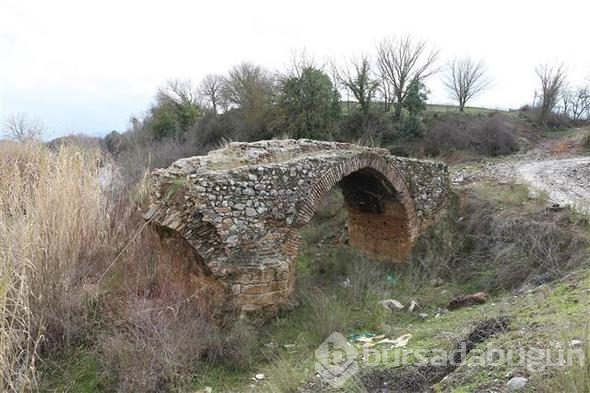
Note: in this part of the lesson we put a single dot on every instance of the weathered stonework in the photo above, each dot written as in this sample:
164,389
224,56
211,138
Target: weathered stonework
241,207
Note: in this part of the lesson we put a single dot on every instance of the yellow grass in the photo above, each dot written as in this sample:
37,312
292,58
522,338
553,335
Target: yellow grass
53,219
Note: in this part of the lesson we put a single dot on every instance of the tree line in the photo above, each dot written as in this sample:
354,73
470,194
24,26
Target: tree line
387,89
388,93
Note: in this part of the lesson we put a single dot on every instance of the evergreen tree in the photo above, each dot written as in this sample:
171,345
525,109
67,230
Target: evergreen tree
415,104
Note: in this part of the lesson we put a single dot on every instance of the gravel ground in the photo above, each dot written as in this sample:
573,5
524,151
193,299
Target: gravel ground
566,181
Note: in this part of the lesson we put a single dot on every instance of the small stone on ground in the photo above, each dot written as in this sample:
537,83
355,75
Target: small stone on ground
516,384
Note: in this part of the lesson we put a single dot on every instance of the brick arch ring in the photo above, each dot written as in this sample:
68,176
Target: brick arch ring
405,214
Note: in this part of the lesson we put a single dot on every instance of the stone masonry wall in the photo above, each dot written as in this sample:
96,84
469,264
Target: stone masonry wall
241,207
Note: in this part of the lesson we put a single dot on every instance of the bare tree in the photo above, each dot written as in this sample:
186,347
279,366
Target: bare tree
576,102
359,81
21,127
181,92
566,97
552,79
581,103
210,90
465,79
386,93
248,87
401,61
584,100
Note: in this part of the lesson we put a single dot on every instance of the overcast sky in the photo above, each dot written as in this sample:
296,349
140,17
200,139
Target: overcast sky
83,66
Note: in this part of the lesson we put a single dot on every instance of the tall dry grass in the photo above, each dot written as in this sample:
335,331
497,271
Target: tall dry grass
79,267
55,222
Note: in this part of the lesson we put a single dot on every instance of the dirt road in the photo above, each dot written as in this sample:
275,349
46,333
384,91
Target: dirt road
566,181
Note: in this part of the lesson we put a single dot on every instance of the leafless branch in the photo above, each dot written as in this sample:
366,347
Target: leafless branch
247,86
21,127
552,79
210,90
400,61
465,79
178,91
576,102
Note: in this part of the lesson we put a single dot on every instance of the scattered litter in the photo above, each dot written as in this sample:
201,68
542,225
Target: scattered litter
289,346
346,283
360,336
423,315
391,304
401,341
370,340
413,306
575,343
365,339
468,300
259,377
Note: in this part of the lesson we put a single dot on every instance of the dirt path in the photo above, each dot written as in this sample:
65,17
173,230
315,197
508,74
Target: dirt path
566,181
554,165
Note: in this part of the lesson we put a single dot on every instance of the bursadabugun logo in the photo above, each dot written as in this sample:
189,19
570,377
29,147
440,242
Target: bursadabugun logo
336,360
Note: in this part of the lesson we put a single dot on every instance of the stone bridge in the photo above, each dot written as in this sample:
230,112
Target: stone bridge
241,208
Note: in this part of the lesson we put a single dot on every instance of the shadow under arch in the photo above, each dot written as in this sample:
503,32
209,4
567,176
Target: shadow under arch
381,213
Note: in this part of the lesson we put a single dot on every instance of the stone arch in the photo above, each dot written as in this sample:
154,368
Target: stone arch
241,208
381,211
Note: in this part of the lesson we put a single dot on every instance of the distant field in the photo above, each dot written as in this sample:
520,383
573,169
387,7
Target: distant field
454,108
348,106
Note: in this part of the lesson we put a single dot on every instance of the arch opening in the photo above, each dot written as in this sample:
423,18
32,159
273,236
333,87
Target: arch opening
377,219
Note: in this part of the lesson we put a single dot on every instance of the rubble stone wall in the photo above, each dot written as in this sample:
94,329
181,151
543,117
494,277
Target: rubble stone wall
241,207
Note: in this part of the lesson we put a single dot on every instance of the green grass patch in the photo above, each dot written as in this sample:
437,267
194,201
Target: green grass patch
512,195
79,371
